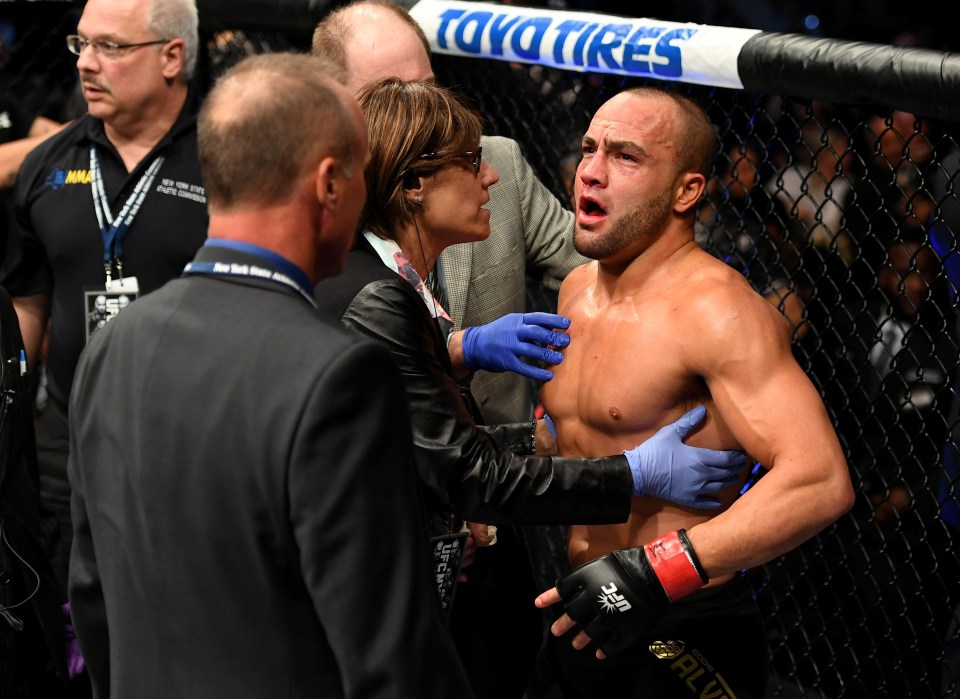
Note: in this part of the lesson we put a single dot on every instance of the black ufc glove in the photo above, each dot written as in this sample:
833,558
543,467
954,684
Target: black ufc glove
620,596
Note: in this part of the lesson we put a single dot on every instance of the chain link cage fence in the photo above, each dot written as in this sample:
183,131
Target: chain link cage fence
846,219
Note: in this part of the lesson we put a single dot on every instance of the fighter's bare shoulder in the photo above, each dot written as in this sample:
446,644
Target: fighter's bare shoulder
726,311
578,279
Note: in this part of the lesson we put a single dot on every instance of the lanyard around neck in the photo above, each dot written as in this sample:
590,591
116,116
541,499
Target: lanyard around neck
113,229
241,269
285,272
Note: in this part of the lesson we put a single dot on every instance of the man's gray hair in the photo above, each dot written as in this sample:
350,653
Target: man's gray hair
177,19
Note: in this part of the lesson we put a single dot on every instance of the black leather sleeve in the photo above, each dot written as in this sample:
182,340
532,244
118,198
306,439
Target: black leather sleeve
515,436
466,468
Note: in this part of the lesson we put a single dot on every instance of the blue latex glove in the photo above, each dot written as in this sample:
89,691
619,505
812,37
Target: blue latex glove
666,468
498,346
550,426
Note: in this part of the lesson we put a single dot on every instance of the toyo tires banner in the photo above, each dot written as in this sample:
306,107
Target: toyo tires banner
919,80
582,41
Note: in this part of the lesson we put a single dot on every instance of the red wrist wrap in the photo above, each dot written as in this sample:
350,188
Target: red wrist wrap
675,565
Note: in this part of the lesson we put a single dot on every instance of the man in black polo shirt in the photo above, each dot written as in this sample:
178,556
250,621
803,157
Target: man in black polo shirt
110,208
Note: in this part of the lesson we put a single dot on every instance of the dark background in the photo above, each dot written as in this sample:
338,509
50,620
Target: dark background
918,23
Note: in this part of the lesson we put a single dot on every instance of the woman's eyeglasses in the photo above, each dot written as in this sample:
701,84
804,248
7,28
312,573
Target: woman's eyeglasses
472,155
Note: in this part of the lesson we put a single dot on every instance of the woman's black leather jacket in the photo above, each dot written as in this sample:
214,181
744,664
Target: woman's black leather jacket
478,472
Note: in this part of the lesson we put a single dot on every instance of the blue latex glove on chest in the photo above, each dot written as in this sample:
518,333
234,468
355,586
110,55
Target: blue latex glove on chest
498,346
666,468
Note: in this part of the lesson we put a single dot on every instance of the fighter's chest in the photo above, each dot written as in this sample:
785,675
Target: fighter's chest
625,363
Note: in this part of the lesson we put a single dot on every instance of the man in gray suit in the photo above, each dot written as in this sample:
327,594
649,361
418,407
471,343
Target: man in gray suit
484,285
530,230
245,509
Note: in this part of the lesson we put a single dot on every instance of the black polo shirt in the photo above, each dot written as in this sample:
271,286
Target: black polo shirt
55,241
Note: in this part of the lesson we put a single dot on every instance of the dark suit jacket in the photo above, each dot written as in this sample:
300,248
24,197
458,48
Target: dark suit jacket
244,501
470,470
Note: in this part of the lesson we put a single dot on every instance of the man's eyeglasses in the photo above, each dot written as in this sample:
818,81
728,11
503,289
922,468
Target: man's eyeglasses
106,49
472,155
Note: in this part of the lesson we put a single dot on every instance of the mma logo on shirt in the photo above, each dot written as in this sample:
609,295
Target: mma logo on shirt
610,599
60,177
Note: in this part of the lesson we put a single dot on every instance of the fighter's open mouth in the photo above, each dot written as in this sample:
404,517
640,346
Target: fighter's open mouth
591,208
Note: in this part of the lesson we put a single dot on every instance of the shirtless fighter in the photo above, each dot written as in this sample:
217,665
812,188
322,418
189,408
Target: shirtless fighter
659,326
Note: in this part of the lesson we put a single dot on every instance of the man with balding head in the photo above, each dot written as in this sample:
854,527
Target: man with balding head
239,532
483,288
530,230
374,39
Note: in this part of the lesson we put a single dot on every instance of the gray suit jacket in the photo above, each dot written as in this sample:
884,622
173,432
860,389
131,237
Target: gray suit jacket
530,232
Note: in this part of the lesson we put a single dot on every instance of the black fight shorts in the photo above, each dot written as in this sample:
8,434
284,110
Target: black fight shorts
709,644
